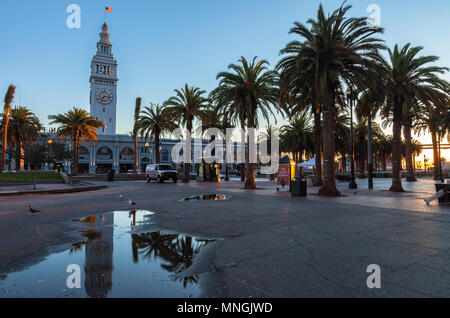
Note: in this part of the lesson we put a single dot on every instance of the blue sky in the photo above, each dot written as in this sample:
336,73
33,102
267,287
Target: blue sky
161,45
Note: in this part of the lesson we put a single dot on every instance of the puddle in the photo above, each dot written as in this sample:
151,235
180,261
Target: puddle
205,197
114,261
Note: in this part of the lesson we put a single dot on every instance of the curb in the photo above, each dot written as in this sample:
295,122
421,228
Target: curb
56,191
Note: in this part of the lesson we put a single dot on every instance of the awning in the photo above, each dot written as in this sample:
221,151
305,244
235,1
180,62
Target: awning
310,163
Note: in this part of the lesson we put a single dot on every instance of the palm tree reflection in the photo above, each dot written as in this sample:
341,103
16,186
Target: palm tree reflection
176,251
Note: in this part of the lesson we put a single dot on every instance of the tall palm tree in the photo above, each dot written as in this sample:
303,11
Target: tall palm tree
137,112
409,79
23,129
5,121
254,88
77,125
154,122
336,50
187,104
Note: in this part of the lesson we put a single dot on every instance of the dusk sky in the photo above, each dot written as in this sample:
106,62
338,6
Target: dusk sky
161,45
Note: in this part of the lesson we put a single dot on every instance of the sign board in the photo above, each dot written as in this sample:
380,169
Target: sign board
284,175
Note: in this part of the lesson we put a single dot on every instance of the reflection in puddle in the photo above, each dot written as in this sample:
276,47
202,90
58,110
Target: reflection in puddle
213,197
114,263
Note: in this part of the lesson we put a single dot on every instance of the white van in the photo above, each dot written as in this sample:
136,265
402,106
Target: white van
161,173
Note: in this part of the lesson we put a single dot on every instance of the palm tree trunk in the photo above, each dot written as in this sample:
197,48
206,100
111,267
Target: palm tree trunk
250,176
245,155
440,177
135,166
329,174
4,141
397,151
318,181
409,164
157,145
9,97
75,154
435,154
383,161
187,165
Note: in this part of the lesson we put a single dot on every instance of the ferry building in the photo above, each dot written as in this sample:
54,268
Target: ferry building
112,151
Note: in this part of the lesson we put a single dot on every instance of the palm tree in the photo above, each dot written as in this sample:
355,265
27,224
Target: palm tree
23,129
211,118
429,120
77,125
153,123
409,80
384,145
361,142
343,137
5,121
297,97
235,115
335,50
267,137
416,150
137,112
368,105
254,88
297,137
187,104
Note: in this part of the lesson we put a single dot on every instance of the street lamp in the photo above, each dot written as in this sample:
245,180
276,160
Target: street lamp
352,184
227,176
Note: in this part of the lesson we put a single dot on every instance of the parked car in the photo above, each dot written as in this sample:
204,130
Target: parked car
161,173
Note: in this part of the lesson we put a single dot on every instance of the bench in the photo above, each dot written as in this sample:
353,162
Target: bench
445,187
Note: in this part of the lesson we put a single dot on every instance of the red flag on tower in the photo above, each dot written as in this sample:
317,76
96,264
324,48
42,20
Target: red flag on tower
108,9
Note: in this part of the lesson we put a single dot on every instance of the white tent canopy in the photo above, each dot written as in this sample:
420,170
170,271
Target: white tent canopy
311,163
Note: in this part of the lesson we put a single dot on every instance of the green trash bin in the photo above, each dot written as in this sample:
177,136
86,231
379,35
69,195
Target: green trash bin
298,188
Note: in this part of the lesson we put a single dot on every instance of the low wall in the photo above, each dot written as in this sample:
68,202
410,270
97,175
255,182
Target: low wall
20,182
104,177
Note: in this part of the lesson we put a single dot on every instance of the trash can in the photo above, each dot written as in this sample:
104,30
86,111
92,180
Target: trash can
111,174
298,188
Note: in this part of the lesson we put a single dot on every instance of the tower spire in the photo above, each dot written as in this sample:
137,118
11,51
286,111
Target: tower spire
104,35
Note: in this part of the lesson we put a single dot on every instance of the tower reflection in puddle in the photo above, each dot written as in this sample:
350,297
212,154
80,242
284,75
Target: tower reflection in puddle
99,248
173,252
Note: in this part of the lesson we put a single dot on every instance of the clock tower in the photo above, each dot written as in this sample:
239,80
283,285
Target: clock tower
104,84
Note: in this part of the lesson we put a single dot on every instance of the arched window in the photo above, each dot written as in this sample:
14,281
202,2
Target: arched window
83,153
104,154
127,154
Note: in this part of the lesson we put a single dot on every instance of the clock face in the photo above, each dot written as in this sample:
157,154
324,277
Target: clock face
104,97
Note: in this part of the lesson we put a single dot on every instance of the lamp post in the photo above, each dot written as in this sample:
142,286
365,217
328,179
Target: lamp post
227,176
50,142
352,184
369,151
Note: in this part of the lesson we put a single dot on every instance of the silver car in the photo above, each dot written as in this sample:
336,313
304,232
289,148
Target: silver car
161,173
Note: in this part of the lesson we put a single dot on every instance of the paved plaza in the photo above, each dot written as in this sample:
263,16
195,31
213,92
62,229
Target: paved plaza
268,244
